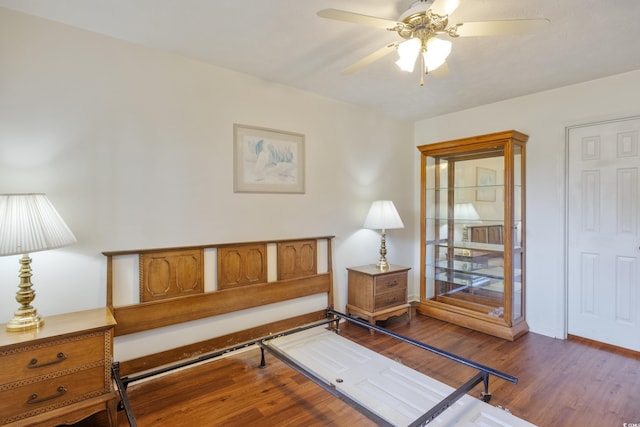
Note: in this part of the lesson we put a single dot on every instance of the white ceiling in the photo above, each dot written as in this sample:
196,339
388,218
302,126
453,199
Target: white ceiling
285,41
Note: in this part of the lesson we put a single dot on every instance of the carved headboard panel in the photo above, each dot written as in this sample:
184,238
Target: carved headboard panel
174,286
171,274
297,259
241,265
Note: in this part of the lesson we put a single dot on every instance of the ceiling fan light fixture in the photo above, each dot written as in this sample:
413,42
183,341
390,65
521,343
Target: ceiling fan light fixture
408,52
437,52
431,62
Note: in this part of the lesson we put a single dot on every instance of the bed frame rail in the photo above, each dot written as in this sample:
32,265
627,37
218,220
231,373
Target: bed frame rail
123,382
432,349
333,318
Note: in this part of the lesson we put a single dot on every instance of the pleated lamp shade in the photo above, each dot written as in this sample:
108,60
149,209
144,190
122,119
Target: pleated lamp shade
383,216
30,223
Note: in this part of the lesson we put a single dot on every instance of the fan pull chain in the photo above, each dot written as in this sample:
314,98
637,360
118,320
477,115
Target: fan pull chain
424,67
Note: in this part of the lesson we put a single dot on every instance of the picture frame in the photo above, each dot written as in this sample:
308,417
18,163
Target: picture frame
485,177
267,160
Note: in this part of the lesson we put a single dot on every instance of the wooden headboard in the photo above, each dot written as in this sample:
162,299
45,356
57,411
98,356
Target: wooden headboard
175,285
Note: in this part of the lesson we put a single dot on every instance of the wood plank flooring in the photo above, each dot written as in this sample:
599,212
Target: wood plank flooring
561,383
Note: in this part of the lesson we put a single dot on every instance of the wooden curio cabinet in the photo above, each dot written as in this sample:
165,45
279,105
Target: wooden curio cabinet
472,233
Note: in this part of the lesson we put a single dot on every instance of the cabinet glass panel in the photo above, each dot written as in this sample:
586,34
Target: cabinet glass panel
518,208
465,231
518,201
518,294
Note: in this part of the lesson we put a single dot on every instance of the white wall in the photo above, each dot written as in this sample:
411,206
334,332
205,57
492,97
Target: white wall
544,117
134,148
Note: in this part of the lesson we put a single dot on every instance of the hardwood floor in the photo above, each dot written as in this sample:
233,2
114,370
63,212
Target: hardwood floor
561,383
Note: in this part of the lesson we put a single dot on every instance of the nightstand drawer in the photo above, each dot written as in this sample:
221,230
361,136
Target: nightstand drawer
389,299
25,399
32,361
391,282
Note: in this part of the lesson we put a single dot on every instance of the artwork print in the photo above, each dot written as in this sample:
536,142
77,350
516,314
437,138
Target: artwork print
268,160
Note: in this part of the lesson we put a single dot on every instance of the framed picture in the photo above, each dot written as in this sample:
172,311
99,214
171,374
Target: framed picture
485,178
267,160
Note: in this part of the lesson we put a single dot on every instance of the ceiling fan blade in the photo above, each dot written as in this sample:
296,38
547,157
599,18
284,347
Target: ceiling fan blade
356,18
500,28
444,7
371,58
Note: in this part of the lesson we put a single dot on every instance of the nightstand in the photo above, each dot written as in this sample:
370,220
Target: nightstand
378,295
59,373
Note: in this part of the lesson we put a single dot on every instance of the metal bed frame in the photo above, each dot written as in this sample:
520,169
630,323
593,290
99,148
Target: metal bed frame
482,375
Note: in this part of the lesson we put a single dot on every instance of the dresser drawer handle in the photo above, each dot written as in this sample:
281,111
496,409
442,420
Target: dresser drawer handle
33,399
33,363
392,284
390,300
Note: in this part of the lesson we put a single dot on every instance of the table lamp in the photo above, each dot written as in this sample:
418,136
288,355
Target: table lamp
384,216
29,223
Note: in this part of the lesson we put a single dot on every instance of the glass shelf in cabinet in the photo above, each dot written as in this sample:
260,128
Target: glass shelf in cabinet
465,187
473,246
470,280
470,222
470,268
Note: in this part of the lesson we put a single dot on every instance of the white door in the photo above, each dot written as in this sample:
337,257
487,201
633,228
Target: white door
393,391
603,242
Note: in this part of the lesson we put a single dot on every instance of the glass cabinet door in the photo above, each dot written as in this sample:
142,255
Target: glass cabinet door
472,233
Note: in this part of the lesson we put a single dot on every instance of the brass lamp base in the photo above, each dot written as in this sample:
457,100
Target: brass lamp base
383,265
26,317
24,321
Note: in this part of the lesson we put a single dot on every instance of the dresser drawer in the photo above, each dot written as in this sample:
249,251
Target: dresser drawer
27,399
390,282
389,299
60,373
69,353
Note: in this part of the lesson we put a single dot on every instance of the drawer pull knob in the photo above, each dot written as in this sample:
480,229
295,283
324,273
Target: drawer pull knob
390,300
392,284
33,363
33,399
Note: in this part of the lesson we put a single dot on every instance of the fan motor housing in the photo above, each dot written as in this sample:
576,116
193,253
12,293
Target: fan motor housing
420,22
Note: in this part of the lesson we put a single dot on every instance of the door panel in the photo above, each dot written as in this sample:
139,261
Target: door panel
603,243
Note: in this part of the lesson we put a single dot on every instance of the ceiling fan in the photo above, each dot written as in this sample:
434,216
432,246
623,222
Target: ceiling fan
421,27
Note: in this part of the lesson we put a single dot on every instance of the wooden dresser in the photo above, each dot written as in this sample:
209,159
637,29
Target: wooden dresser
59,373
378,295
